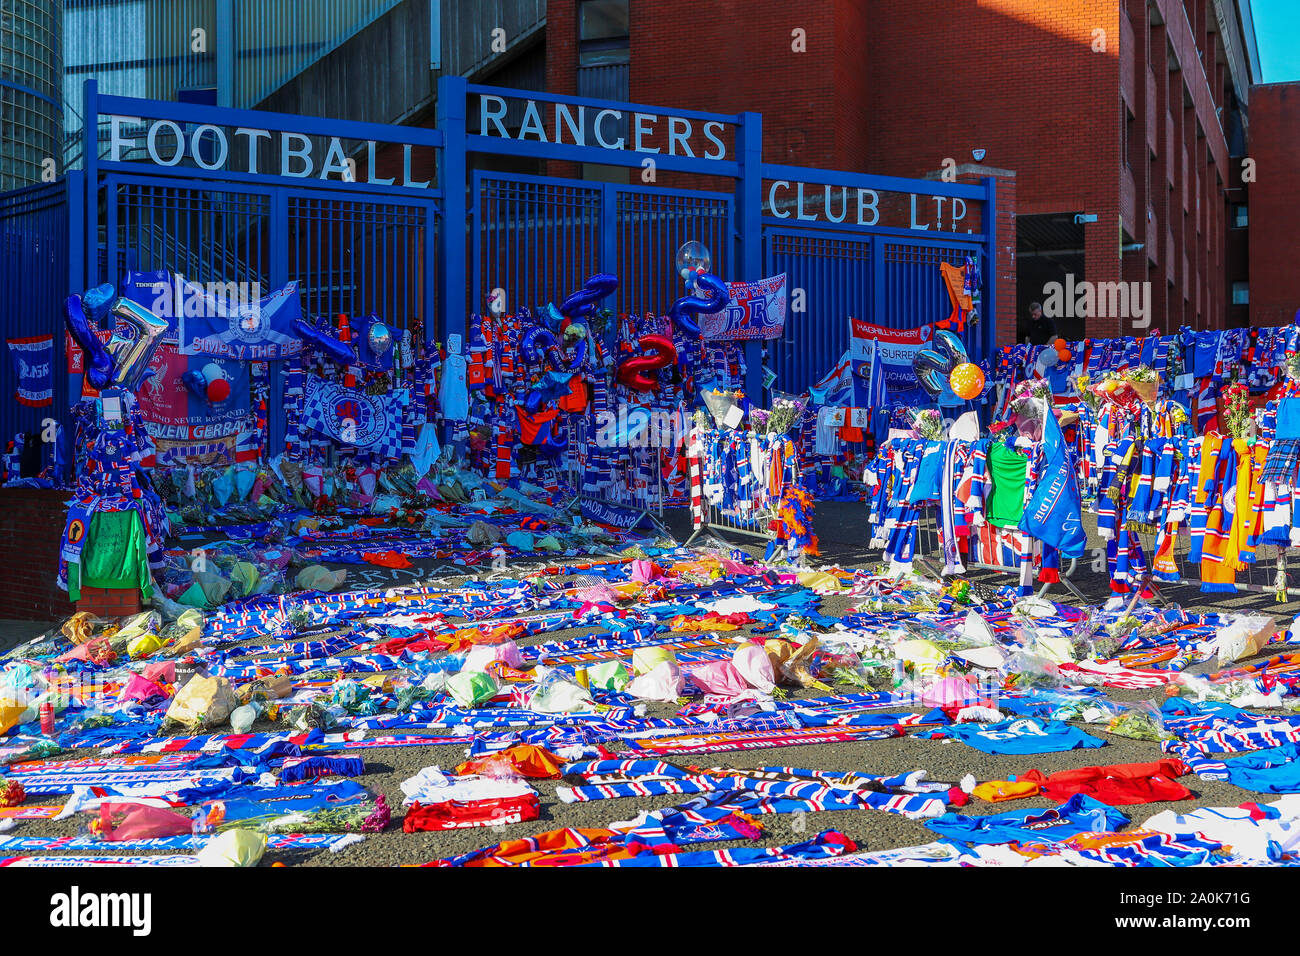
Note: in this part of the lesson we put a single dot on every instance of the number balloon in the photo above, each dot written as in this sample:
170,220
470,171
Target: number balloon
321,339
711,297
932,370
96,302
539,341
951,346
583,302
132,351
640,372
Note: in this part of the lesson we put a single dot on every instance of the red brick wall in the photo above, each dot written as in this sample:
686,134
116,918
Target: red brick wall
1274,199
31,528
1003,274
896,86
736,55
110,602
1015,78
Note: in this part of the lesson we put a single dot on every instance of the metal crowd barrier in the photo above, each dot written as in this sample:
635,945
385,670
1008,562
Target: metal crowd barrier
618,503
928,546
718,521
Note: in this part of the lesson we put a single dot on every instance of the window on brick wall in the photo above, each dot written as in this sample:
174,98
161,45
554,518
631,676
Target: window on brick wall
1240,216
602,32
1241,293
1126,133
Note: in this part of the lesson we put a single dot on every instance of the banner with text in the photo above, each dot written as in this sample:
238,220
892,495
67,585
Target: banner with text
756,311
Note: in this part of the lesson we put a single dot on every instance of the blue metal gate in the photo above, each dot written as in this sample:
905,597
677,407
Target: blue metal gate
34,238
540,238
872,268
184,187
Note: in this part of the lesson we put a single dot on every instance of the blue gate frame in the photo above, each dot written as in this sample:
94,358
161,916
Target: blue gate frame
884,275
335,237
536,236
546,235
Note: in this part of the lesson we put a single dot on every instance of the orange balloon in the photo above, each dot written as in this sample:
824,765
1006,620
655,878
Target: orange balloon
1060,344
966,381
1063,354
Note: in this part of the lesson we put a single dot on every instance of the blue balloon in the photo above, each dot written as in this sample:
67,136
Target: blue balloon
713,298
535,341
583,302
99,364
197,384
538,341
96,302
322,341
951,346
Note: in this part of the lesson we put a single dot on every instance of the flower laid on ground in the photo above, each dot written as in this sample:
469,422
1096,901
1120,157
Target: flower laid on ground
1143,373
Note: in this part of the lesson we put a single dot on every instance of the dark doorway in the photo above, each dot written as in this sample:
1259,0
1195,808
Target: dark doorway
1048,249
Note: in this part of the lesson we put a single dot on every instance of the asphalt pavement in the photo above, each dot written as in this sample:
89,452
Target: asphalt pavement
843,535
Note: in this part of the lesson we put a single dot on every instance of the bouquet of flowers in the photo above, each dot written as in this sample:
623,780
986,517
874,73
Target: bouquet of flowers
1083,384
1238,417
1117,390
1028,399
785,414
928,424
1144,381
720,403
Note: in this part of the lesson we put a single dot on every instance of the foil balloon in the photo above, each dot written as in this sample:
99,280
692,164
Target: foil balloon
933,366
583,302
96,302
380,339
534,343
641,372
322,339
538,342
99,364
133,347
950,345
579,358
711,296
932,370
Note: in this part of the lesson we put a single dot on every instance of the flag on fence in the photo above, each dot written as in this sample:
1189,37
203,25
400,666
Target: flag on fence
351,417
33,360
